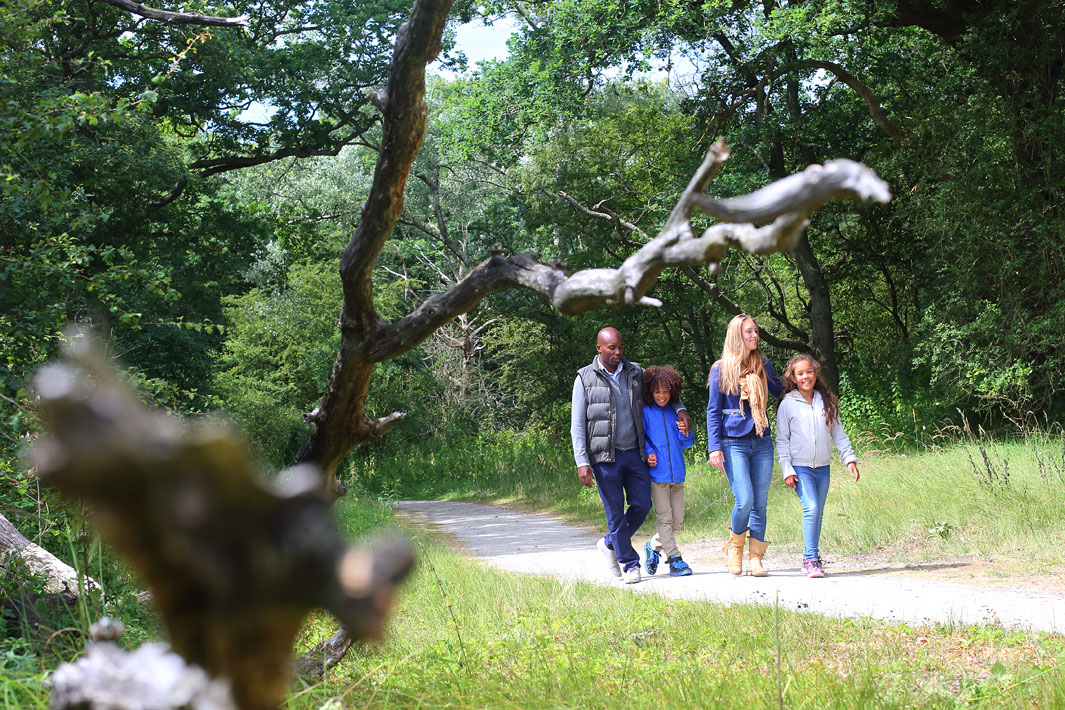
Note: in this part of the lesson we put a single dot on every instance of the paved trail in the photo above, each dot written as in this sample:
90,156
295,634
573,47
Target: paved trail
539,544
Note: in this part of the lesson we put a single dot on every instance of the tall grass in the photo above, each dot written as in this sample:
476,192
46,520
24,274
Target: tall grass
20,689
464,636
929,504
532,468
977,496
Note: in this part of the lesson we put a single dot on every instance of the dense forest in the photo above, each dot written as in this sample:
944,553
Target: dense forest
189,189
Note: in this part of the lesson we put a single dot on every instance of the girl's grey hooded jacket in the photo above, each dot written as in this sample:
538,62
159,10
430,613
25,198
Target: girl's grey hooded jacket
802,437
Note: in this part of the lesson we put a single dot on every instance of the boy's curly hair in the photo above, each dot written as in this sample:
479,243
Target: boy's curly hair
655,377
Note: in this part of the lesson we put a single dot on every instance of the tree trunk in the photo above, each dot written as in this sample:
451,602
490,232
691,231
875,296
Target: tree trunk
822,323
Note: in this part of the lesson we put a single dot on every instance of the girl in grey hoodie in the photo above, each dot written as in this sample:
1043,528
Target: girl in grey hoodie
807,425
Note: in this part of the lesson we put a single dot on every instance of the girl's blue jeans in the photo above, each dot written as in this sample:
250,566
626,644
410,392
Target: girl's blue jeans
749,468
812,488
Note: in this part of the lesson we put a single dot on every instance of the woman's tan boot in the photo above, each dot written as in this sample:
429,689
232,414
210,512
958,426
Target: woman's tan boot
734,546
757,553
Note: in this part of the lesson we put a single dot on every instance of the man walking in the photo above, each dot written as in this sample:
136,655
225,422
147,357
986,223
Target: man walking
606,425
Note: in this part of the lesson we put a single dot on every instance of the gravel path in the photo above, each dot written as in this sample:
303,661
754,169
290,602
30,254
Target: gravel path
533,543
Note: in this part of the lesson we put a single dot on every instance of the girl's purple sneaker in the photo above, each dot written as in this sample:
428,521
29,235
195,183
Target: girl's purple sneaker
813,568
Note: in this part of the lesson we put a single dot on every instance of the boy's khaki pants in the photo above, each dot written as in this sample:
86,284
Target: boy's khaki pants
668,499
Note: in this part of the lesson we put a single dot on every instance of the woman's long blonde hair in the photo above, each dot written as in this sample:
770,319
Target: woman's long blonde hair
737,361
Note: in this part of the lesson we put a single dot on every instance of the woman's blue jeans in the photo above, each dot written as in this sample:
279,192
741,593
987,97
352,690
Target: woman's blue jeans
749,468
812,488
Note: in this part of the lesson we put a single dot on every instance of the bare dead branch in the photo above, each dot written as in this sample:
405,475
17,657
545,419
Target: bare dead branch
805,191
177,18
708,287
384,425
58,577
592,288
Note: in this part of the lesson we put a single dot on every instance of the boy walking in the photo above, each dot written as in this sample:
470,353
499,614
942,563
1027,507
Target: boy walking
664,445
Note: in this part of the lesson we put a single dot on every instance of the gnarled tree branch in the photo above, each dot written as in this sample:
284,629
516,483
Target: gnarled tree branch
177,18
805,191
870,99
674,246
710,288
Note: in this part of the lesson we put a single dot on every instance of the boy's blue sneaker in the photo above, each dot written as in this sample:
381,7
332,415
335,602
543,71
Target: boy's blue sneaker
678,567
650,559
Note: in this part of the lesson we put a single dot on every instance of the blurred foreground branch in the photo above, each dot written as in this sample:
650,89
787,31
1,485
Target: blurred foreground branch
233,563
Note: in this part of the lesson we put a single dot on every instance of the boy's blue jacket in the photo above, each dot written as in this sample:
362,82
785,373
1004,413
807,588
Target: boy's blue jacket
663,439
723,418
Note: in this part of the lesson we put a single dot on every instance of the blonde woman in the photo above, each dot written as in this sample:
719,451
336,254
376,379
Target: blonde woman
739,441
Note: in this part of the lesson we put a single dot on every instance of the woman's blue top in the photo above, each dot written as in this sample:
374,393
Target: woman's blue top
723,417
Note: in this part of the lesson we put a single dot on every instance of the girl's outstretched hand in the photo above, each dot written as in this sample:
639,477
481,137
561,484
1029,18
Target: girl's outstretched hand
854,470
790,480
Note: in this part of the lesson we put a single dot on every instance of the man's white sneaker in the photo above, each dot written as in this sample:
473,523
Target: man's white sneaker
611,558
632,575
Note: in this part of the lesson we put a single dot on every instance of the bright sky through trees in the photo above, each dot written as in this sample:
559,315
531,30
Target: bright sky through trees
482,42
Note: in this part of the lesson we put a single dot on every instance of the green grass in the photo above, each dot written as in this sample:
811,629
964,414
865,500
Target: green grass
464,636
921,505
929,504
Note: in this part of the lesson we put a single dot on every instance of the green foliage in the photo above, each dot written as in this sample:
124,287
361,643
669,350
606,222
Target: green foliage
280,346
978,357
950,298
488,465
926,291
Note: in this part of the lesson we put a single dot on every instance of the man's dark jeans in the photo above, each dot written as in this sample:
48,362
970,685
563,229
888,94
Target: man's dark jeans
627,477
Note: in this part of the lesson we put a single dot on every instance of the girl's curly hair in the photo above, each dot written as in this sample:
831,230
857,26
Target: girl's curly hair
655,377
829,399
